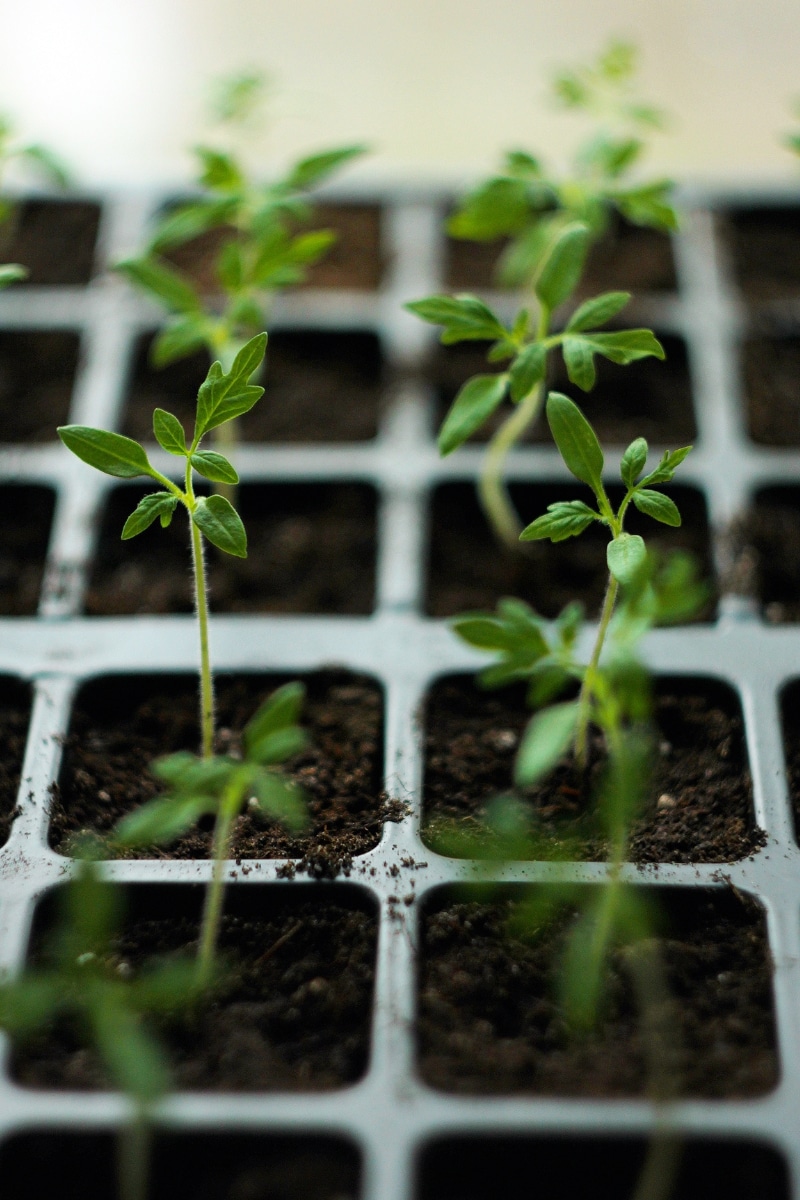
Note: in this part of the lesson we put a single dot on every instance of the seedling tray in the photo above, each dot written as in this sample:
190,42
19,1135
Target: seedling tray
396,1137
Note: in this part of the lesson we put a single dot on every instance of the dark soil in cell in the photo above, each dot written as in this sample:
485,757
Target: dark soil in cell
649,398
790,706
15,712
764,246
699,805
291,1013
468,569
354,261
120,725
311,549
490,1021
771,368
205,1165
627,257
483,1168
23,547
319,387
54,239
37,373
765,554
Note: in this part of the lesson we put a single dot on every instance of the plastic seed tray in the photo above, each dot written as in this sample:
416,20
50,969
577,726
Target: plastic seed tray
404,1139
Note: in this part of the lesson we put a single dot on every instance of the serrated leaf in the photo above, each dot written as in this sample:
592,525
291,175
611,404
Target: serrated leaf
476,401
161,820
527,370
111,453
579,361
218,520
465,318
576,440
563,266
547,737
626,557
161,283
213,466
625,345
633,461
595,312
316,167
658,506
565,519
670,461
224,396
281,799
169,432
149,509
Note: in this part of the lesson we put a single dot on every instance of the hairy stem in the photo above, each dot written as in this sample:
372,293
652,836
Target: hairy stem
206,680
133,1156
585,697
212,908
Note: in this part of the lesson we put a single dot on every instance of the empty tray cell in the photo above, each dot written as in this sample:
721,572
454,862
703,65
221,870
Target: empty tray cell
483,1168
771,370
319,387
766,544
23,547
698,807
627,257
15,712
121,723
468,569
292,1012
649,398
54,239
790,712
311,549
764,246
206,1165
37,374
490,1020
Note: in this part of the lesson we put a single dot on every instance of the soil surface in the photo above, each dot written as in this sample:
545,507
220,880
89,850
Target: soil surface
203,1166
627,257
37,373
765,554
15,713
320,387
649,398
291,1012
23,547
699,807
771,368
467,569
54,239
764,246
311,549
120,725
490,1021
354,261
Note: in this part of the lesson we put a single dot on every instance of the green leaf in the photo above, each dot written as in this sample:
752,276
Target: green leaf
633,461
161,820
277,746
279,711
218,520
316,167
190,220
669,464
108,452
155,506
547,737
495,209
476,401
625,345
162,283
465,318
224,396
214,466
249,358
230,266
626,556
576,440
563,266
308,248
595,312
218,170
28,1003
658,506
55,170
186,773
11,273
169,432
180,338
579,361
527,370
134,1058
565,519
281,799
649,205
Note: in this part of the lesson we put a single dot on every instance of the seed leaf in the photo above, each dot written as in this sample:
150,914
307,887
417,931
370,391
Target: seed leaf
563,266
214,466
658,506
626,556
169,432
576,440
281,710
547,737
156,505
280,798
595,312
633,461
279,745
478,398
565,519
579,360
108,452
161,820
527,370
218,520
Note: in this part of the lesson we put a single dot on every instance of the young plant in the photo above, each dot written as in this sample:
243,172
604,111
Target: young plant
551,224
83,980
41,160
207,783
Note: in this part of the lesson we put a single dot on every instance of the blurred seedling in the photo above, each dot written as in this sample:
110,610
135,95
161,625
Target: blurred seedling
550,224
28,155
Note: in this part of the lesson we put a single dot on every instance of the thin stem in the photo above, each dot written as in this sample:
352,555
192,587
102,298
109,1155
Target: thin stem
133,1156
584,699
212,909
206,680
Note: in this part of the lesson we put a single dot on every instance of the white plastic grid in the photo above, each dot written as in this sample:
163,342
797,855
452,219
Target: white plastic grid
390,1114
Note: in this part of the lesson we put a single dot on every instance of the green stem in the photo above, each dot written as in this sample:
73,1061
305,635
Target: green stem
133,1156
206,680
212,909
585,697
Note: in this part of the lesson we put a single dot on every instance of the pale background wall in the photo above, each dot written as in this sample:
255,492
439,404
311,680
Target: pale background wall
437,86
